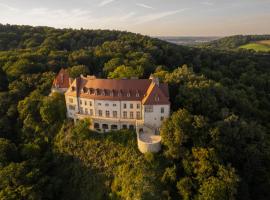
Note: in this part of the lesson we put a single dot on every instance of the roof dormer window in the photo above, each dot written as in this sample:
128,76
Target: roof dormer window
128,94
120,93
137,94
91,90
111,93
103,93
96,91
157,98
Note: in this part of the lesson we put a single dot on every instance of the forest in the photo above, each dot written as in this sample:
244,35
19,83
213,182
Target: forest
215,145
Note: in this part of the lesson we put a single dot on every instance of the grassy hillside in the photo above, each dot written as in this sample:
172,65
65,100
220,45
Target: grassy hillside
255,42
259,46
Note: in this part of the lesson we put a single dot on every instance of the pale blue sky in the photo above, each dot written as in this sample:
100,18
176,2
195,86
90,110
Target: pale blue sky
150,17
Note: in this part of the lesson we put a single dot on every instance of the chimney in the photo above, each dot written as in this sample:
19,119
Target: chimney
155,80
91,77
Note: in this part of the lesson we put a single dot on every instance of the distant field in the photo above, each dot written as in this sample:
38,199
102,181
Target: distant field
263,45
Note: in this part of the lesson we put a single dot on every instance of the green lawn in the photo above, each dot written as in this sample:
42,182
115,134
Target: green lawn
263,46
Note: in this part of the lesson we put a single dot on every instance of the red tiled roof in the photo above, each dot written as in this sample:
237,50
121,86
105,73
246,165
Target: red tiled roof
125,89
62,79
155,95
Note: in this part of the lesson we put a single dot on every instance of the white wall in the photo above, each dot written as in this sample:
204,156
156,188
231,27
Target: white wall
154,118
73,102
128,109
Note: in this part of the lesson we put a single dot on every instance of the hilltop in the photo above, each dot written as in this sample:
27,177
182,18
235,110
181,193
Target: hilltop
258,43
215,144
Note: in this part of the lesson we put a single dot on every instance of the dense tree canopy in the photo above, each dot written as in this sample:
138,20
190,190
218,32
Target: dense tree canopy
215,144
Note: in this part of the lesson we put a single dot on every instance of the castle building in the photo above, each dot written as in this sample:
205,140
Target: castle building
111,104
61,82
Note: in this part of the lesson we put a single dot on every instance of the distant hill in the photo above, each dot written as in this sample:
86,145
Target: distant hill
250,42
190,41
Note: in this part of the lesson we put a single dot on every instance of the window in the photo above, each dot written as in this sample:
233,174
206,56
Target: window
157,98
131,106
107,113
70,100
125,114
162,110
125,105
96,125
131,127
131,115
99,104
128,94
138,106
114,105
91,112
105,126
161,118
71,107
90,103
85,103
138,115
86,111
100,113
115,114
114,127
148,108
80,101
137,94
124,126
106,104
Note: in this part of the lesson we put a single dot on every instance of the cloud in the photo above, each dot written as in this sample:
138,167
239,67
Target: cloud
207,3
127,16
144,6
105,2
156,16
9,8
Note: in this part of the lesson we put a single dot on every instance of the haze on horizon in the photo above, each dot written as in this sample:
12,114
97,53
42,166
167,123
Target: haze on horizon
150,17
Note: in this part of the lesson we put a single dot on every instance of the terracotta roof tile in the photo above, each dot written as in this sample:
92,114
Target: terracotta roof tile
126,89
62,79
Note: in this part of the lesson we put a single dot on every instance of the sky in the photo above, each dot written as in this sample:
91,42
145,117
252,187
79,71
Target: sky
148,17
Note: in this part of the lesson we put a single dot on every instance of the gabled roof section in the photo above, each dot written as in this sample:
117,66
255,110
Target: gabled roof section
62,79
157,94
